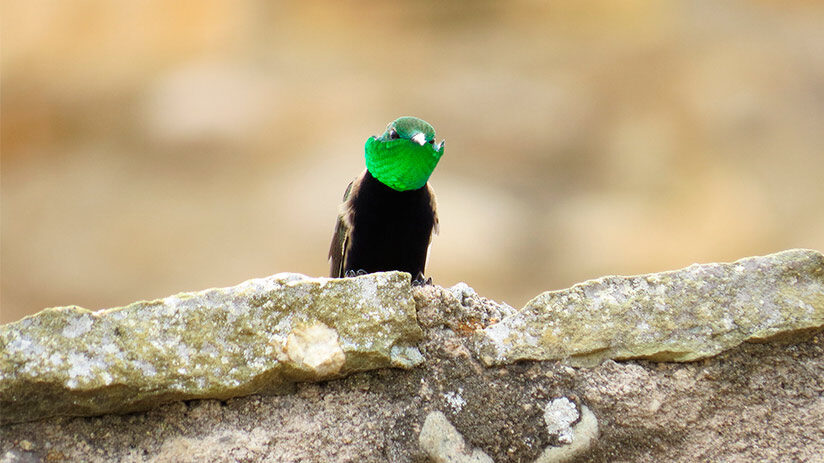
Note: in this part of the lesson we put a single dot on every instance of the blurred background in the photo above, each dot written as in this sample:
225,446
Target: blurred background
153,147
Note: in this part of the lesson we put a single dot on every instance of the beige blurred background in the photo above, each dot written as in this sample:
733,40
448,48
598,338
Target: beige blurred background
153,147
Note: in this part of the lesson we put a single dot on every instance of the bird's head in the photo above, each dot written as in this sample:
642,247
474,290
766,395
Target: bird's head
405,155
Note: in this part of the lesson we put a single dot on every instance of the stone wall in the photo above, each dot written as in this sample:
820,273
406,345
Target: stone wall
716,362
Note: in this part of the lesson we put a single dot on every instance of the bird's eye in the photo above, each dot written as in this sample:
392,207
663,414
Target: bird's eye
431,142
393,134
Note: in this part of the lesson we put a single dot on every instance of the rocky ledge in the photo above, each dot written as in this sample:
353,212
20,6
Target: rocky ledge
683,315
290,368
257,337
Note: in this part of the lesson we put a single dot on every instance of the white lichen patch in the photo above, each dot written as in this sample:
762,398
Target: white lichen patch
26,346
406,356
146,369
209,350
184,353
78,326
55,359
455,400
503,335
84,369
108,347
559,414
367,291
583,434
499,335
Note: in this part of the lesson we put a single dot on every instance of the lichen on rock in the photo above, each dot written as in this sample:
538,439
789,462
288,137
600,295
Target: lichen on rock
258,336
682,315
579,437
453,406
559,414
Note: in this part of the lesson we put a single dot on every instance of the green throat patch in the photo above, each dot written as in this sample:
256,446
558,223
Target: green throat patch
405,155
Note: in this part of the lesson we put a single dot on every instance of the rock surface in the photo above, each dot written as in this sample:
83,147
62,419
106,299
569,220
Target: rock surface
574,439
444,444
753,402
259,336
683,315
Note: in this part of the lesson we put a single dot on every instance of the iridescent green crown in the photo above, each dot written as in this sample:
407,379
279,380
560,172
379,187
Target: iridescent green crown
405,155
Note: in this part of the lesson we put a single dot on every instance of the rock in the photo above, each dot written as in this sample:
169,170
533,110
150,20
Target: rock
682,315
444,444
581,437
753,402
756,402
258,336
559,414
316,348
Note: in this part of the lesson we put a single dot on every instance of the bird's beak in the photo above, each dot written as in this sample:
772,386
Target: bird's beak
440,147
419,138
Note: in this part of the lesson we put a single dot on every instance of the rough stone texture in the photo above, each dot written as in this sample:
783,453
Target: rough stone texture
573,442
754,402
559,414
259,336
681,315
444,444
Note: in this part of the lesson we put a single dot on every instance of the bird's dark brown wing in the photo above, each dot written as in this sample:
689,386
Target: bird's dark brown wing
435,224
340,238
434,203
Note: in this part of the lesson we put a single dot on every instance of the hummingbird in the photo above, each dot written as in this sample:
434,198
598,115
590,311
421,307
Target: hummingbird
389,214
